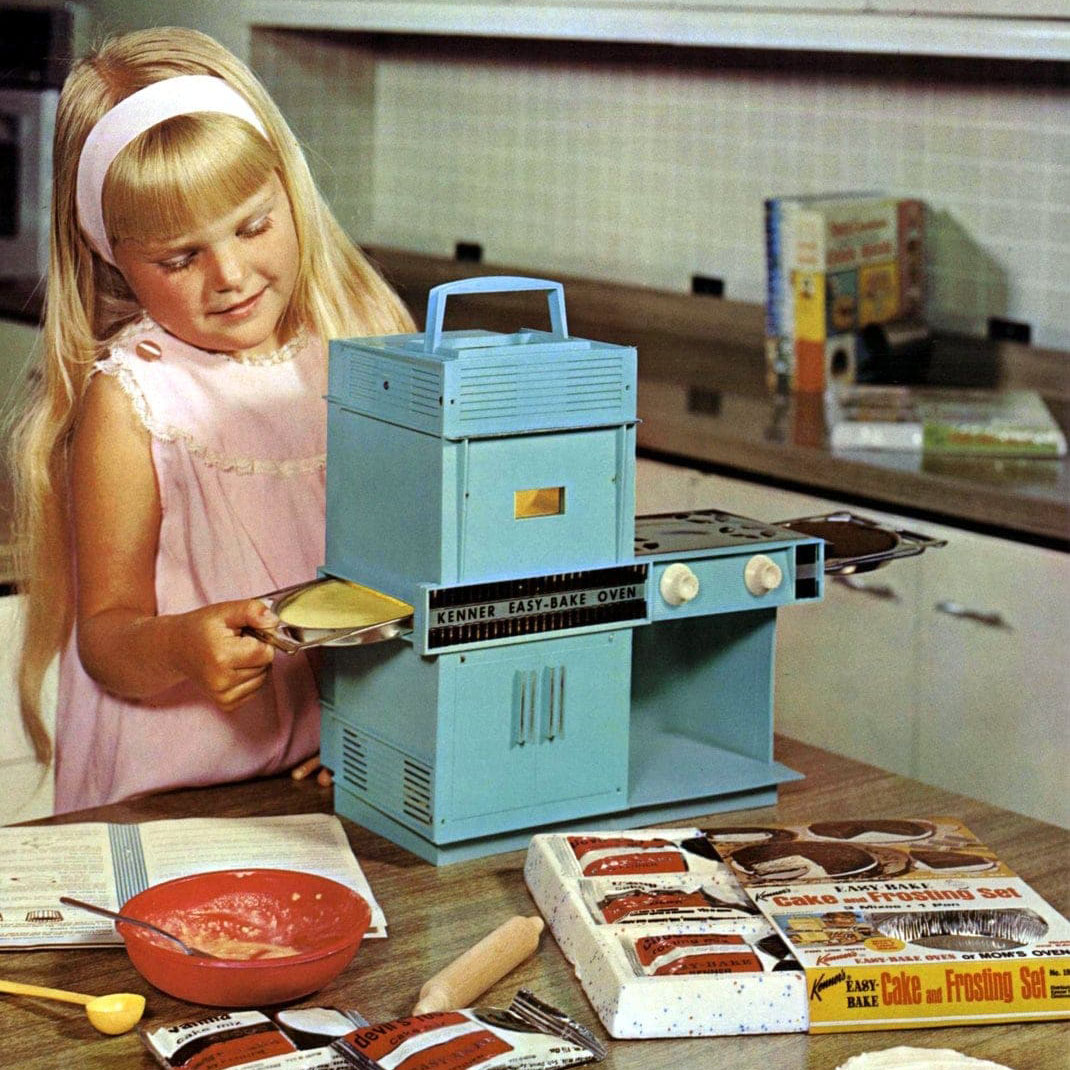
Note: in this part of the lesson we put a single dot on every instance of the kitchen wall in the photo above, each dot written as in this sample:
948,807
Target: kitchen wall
650,164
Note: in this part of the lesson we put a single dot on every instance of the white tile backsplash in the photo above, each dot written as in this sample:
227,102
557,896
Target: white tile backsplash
632,166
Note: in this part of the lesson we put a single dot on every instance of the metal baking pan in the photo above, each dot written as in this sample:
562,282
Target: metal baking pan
858,544
394,618
972,931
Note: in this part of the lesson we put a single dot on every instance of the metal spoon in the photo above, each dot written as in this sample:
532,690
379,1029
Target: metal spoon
114,1014
185,948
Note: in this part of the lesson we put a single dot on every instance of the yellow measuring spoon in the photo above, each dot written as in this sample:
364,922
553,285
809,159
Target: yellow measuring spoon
117,1013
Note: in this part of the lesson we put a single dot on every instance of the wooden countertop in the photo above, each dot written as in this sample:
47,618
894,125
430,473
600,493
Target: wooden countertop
703,401
433,914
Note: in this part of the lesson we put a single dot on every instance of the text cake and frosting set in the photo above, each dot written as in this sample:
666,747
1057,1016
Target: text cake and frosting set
832,926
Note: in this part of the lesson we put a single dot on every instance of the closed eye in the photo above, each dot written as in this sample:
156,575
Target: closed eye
177,263
257,227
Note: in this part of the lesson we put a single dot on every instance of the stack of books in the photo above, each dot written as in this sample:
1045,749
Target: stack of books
944,420
835,265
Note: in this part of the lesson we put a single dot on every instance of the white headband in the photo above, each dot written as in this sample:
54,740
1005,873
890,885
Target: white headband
181,95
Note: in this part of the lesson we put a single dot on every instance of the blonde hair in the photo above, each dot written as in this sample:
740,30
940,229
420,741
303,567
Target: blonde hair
183,170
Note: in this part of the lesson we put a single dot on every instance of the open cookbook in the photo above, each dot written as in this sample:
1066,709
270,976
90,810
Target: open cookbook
106,864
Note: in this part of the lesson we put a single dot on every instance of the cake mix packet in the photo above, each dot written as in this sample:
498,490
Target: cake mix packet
595,855
676,954
528,1035
297,1038
617,901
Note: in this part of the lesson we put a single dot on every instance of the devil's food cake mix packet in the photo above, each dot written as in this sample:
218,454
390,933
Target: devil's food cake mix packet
529,1035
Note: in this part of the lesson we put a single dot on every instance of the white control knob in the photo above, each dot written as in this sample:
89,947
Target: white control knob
762,575
678,584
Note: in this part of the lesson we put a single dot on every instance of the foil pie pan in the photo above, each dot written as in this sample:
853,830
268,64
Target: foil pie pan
964,930
393,619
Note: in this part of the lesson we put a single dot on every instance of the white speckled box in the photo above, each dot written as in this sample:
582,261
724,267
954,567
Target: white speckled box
662,936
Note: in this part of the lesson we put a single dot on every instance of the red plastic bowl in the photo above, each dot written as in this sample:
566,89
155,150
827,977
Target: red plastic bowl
319,919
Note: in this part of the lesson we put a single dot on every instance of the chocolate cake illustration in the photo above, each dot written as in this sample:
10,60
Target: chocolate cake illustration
882,829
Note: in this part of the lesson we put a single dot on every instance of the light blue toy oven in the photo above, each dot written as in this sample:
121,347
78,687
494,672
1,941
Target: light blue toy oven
568,663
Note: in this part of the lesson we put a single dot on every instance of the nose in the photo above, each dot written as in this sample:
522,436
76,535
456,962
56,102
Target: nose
228,268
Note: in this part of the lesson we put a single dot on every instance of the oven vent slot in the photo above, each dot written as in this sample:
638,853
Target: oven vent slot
354,762
540,391
386,777
391,388
416,791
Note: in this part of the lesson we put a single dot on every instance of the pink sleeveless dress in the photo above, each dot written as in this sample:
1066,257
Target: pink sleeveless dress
239,451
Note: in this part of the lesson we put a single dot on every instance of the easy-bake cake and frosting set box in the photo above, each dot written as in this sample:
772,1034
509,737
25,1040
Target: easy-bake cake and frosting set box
832,926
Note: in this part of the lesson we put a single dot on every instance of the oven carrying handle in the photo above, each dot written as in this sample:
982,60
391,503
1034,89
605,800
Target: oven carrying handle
436,301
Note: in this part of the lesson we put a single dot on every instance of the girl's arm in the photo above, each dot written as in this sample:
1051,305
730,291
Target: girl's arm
124,645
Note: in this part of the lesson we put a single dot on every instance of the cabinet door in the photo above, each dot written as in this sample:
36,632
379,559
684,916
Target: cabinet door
27,791
585,711
995,669
540,723
493,766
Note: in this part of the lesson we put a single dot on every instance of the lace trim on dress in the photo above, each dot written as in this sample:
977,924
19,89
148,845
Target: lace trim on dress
281,355
246,466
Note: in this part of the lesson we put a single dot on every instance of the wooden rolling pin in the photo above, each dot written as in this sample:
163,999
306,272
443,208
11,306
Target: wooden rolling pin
470,975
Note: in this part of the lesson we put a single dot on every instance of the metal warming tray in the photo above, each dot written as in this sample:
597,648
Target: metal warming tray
858,544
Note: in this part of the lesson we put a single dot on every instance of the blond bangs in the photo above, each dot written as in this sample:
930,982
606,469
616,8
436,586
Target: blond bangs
183,173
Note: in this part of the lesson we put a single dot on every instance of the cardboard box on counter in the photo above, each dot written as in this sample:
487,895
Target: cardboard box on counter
636,912
833,926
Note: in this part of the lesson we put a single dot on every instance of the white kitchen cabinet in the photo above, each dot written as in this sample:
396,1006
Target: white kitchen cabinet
994,674
878,672
25,787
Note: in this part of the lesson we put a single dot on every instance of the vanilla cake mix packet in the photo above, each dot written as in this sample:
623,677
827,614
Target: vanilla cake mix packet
634,854
528,1035
223,1039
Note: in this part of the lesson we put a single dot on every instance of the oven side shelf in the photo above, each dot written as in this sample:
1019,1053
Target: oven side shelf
667,768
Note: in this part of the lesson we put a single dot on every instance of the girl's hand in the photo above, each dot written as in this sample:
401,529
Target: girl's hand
324,777
209,649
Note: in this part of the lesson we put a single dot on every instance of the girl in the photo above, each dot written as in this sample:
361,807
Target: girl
171,465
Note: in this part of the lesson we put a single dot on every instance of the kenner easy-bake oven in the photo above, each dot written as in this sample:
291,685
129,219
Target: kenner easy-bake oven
565,660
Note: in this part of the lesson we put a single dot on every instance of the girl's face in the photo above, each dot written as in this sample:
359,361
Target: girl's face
225,285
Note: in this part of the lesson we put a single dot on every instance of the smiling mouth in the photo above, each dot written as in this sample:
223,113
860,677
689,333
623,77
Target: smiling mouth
241,306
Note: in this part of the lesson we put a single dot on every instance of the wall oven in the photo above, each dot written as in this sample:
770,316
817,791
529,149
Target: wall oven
36,49
27,120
